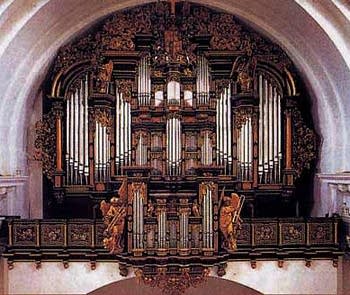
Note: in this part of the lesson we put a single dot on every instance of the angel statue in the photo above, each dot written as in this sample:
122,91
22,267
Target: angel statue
114,214
230,219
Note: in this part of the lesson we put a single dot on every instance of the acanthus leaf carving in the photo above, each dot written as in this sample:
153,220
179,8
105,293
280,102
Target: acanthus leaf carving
45,143
304,144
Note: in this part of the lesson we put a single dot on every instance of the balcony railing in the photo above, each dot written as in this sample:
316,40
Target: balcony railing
82,239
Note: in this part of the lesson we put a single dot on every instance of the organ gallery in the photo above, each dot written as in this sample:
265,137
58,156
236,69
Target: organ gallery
187,132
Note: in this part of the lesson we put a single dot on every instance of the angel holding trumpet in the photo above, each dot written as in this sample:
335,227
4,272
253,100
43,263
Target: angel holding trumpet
230,220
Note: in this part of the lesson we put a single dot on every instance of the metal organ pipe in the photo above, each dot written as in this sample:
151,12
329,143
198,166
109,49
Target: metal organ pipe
68,140
224,129
202,82
261,135
270,152
77,166
86,128
122,133
279,128
144,82
266,131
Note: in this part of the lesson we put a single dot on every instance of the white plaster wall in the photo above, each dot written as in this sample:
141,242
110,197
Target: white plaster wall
53,278
314,33
294,278
268,278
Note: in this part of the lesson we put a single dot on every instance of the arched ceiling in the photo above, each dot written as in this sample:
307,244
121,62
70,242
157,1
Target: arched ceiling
314,33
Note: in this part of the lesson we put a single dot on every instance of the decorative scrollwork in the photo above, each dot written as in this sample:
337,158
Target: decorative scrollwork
104,117
173,36
172,283
304,144
114,214
45,143
241,115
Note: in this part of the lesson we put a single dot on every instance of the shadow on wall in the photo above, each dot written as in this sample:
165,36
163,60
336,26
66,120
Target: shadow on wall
211,286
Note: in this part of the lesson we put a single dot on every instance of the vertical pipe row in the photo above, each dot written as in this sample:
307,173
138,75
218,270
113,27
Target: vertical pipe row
144,82
174,146
224,130
122,133
261,131
134,224
162,229
210,217
202,82
86,128
68,140
270,152
229,130
77,160
279,137
71,139
205,229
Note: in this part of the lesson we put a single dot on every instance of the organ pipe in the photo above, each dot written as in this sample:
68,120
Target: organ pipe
207,213
224,130
102,155
77,130
144,82
202,82
138,226
123,133
174,146
270,152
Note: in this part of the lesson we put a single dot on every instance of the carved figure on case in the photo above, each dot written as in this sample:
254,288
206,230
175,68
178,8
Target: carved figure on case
114,214
230,219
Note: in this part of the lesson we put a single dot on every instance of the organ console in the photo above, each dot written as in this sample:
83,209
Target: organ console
177,106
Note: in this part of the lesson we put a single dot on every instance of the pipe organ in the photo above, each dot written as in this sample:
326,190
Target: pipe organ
180,112
144,82
77,129
224,130
270,131
202,81
123,133
174,147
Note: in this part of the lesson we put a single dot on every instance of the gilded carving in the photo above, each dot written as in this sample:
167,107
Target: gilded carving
104,77
114,214
125,87
241,115
150,209
195,209
230,220
304,144
45,143
172,35
103,117
172,283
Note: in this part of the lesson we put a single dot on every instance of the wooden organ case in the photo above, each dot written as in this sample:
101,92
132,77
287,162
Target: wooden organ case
182,102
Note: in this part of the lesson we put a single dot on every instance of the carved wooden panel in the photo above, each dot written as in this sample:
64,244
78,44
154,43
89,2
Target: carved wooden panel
52,234
99,230
79,234
25,234
244,235
292,233
265,234
320,233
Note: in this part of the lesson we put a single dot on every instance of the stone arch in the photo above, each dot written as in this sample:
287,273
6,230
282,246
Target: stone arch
318,48
212,285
